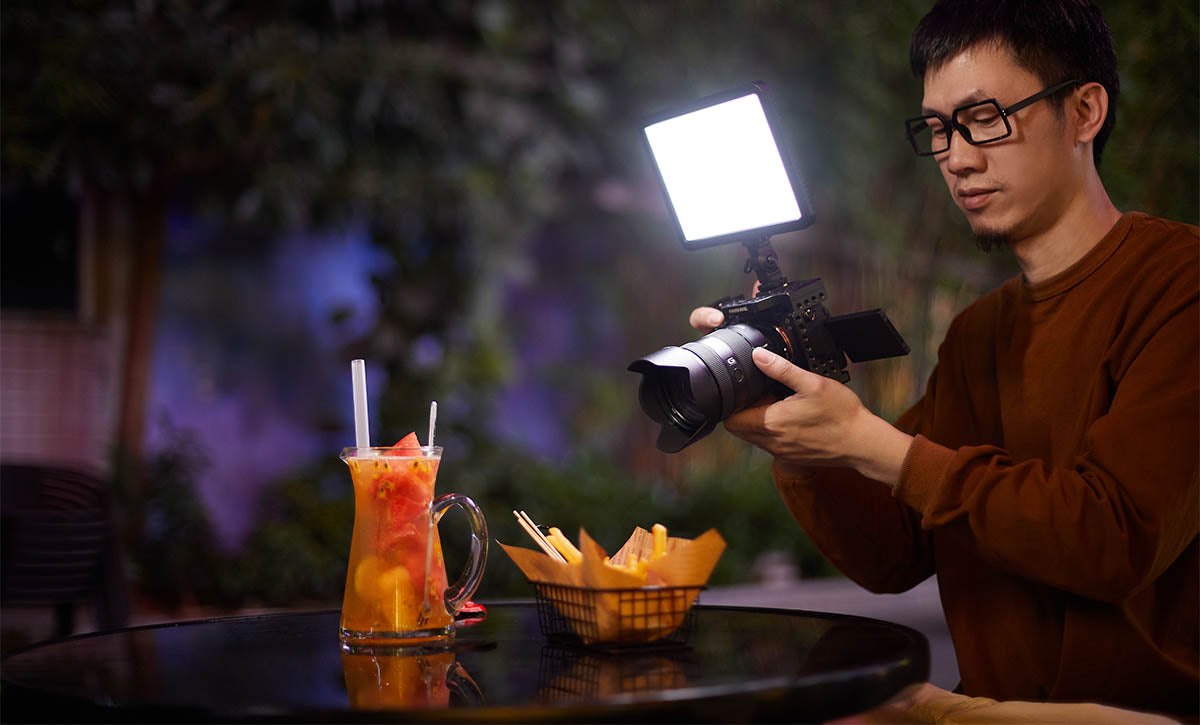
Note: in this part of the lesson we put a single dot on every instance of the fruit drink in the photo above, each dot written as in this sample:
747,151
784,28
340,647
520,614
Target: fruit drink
395,578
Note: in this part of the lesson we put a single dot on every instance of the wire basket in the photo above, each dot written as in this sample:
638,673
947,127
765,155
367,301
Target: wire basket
622,617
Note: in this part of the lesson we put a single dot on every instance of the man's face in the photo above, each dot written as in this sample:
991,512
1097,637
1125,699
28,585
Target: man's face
1016,187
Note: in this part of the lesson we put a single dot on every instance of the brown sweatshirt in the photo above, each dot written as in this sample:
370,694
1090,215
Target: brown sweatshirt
1054,483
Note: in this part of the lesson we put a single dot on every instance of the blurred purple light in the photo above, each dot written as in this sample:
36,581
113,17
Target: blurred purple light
255,423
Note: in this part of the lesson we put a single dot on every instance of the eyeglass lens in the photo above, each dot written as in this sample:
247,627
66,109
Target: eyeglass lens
978,123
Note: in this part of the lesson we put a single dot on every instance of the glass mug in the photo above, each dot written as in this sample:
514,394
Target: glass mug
396,590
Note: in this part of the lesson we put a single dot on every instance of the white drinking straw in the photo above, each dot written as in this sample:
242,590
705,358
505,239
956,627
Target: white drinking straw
432,521
362,428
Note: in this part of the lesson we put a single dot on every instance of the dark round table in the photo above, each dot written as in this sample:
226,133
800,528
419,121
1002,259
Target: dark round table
735,664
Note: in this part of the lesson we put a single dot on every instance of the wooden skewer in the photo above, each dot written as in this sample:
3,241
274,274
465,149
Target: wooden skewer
548,545
542,541
525,526
529,522
537,529
538,538
532,524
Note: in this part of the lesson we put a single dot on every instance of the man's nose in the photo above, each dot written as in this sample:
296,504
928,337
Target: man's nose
963,157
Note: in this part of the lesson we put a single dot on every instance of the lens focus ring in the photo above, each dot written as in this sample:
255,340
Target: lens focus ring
742,339
731,347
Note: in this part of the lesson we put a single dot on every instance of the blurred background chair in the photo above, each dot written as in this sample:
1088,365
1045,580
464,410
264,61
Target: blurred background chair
59,545
58,402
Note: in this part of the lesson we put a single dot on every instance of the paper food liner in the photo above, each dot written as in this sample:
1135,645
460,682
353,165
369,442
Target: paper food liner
613,616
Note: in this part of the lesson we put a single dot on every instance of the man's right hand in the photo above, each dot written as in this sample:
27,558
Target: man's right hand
706,319
823,424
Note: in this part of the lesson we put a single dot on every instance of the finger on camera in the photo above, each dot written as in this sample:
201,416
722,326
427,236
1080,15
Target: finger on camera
780,369
706,319
748,421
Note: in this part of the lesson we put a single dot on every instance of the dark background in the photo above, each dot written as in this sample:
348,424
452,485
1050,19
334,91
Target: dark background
240,198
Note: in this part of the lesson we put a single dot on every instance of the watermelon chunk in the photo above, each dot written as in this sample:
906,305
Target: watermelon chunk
408,441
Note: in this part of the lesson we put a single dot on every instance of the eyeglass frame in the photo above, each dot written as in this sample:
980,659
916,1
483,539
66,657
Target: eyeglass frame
953,125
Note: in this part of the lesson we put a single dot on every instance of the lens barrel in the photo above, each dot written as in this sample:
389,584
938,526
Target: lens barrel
690,388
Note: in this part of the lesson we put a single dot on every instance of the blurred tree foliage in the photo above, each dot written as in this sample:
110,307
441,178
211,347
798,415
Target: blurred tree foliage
177,560
491,147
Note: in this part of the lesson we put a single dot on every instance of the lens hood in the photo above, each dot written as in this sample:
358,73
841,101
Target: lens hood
690,388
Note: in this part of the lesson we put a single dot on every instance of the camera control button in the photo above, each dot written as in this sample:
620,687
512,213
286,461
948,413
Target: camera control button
738,375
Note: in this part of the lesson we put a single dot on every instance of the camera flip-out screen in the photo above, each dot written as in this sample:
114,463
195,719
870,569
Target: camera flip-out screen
726,174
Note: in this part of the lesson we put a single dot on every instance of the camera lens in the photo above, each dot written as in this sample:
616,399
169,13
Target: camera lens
674,399
689,389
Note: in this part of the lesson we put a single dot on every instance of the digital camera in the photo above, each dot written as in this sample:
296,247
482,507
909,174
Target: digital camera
726,179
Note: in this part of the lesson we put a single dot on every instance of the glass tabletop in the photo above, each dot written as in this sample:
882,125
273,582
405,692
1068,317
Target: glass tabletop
733,664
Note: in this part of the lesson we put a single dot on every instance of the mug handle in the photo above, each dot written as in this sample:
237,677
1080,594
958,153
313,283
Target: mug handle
468,581
460,683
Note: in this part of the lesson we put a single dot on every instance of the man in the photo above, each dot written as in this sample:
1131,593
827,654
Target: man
1049,475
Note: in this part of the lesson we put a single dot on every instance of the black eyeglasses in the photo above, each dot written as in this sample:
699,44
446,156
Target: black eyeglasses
978,123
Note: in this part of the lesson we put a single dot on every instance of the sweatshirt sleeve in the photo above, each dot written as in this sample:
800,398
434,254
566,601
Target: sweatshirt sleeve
855,522
860,528
1119,516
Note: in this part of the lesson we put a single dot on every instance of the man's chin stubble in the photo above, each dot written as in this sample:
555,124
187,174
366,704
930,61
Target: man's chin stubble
987,241
988,236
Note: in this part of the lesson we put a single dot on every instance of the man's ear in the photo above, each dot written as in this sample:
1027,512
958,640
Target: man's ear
1089,111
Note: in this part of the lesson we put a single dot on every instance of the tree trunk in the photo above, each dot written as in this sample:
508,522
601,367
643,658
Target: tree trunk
123,236
147,233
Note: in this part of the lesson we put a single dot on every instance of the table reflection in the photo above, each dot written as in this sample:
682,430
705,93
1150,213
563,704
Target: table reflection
738,664
568,675
403,681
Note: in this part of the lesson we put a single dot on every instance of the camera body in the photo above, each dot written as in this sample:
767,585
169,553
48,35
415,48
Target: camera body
792,319
690,388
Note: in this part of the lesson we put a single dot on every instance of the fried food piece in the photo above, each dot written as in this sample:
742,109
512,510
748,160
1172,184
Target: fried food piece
564,546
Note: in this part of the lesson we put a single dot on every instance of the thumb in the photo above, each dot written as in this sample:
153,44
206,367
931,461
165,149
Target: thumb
780,369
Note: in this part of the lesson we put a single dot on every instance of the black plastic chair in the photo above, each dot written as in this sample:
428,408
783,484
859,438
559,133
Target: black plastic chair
59,545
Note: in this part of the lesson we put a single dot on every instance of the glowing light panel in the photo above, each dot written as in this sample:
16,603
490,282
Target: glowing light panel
722,169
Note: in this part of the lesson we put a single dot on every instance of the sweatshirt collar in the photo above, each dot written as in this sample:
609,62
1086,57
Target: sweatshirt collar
1086,265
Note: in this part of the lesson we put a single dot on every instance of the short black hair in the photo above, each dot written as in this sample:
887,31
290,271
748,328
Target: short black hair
1056,40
